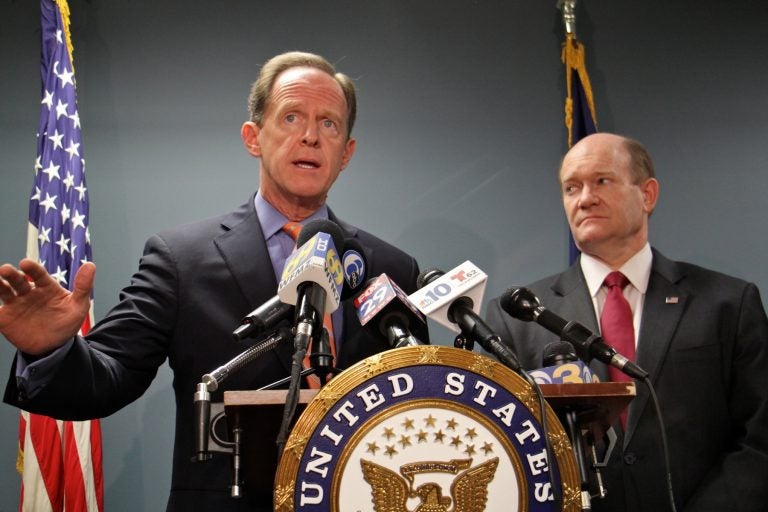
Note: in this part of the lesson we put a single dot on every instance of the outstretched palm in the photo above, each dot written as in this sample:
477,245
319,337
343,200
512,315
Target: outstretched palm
37,314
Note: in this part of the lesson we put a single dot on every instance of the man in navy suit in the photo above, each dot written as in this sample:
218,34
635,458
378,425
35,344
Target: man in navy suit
702,336
196,282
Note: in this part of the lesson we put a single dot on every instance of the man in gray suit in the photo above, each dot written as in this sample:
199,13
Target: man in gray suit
701,335
196,282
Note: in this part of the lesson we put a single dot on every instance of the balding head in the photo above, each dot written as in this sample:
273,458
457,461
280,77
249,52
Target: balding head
608,192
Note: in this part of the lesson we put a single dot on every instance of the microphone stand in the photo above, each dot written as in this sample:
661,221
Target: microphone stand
321,361
464,342
309,320
210,383
577,442
399,337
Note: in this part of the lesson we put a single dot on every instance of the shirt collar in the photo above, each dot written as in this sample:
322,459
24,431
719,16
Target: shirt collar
637,269
272,221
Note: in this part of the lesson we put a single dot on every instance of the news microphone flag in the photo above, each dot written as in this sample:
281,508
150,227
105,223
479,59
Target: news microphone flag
60,461
380,293
373,299
316,261
353,263
436,297
580,118
574,372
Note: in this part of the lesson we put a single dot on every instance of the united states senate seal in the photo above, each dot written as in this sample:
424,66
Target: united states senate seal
426,429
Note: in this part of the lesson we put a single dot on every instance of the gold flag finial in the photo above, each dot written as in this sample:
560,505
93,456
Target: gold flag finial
569,15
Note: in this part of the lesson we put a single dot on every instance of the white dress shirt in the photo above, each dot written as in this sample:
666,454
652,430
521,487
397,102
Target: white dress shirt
637,269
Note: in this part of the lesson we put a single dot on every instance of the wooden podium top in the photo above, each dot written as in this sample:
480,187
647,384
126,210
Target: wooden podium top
267,397
598,403
604,393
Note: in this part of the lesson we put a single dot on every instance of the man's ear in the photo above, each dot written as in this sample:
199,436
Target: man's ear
650,194
250,135
349,150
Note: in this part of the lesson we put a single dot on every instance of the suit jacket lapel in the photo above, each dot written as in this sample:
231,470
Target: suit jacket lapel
244,251
664,305
577,305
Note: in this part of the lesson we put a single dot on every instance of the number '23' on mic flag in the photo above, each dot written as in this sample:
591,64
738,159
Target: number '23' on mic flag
60,461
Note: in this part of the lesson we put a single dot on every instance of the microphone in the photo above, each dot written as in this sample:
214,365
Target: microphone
312,277
315,262
438,291
523,304
275,312
354,266
311,280
561,356
385,310
562,366
558,353
453,299
269,315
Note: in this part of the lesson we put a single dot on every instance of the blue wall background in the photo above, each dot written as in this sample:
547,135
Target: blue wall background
459,135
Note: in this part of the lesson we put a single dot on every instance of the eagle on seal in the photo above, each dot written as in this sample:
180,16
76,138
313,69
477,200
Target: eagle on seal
390,491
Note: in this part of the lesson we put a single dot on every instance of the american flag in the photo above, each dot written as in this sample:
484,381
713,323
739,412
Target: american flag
60,461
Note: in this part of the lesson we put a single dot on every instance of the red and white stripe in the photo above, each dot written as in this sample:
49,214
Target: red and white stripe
60,461
61,468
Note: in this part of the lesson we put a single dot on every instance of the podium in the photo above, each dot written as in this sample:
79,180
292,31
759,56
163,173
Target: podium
258,414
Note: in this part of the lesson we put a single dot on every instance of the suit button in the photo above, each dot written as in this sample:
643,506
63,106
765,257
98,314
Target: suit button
630,458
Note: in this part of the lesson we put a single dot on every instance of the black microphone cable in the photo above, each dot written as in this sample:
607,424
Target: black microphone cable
305,330
664,447
308,324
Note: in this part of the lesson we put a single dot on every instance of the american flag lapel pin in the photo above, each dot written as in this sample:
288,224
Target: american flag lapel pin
672,300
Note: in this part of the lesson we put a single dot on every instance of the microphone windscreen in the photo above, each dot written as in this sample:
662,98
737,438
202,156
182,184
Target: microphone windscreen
520,303
558,352
316,226
427,276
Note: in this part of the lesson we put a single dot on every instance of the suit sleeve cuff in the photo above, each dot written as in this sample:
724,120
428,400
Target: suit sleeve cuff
34,373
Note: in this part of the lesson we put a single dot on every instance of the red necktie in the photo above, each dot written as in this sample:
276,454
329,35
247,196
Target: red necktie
293,229
616,326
